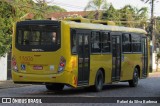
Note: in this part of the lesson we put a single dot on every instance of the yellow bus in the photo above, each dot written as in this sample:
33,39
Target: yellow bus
58,53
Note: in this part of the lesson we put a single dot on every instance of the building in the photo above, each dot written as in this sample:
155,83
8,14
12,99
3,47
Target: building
62,15
3,68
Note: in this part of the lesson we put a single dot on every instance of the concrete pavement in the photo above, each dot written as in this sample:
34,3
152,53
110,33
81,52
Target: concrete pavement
10,84
154,74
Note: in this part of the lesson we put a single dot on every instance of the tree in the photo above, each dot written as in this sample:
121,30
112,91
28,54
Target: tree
12,11
40,8
6,19
112,14
127,16
21,8
96,5
55,8
152,22
133,17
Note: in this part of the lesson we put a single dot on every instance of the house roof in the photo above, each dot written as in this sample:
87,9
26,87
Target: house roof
58,15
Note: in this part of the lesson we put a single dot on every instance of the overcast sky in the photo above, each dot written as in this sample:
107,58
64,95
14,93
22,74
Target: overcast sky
78,5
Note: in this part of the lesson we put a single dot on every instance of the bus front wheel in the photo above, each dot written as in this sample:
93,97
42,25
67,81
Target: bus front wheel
134,81
99,81
55,87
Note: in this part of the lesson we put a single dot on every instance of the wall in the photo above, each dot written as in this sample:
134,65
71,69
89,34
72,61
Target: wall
3,68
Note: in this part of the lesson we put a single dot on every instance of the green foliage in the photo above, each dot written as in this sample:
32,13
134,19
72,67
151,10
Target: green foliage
56,8
112,14
158,55
5,27
96,5
127,16
21,8
157,31
12,11
41,9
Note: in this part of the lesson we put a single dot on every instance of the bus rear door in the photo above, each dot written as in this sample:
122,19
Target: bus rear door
83,56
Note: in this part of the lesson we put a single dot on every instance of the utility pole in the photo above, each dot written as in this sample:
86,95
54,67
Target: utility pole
153,54
152,24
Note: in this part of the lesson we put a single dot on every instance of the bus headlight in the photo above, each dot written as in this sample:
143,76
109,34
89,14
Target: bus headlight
14,64
62,64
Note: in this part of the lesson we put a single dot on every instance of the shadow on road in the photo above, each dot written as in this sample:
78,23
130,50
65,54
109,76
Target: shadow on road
77,91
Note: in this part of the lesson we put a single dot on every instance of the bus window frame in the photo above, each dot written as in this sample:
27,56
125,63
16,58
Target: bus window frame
130,43
21,47
103,31
71,38
139,34
91,42
78,31
100,34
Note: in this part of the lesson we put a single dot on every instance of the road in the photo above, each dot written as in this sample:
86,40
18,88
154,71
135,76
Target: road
149,87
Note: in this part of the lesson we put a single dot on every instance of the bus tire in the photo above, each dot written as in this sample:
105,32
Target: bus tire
55,87
134,81
98,81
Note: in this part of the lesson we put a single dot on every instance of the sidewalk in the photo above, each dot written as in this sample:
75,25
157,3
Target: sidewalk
10,84
154,74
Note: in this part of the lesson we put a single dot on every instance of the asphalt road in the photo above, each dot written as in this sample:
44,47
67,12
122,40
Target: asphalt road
149,87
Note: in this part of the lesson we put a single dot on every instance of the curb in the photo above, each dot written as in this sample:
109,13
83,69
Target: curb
154,74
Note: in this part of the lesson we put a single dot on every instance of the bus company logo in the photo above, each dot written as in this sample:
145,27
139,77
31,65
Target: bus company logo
37,50
6,100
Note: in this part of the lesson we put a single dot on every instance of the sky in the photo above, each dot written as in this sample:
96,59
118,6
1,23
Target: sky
79,5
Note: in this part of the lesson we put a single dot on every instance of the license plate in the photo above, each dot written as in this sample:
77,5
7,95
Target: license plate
37,67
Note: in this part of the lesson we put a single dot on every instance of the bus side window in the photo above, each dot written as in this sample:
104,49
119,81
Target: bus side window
95,42
106,42
126,43
136,43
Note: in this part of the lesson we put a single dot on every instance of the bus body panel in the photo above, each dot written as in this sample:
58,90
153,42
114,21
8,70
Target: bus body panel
42,67
49,61
45,78
103,61
35,63
129,62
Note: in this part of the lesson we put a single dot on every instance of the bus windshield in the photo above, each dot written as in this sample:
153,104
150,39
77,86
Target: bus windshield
37,38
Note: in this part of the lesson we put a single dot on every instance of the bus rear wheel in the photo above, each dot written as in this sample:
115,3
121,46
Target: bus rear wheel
55,87
98,81
134,81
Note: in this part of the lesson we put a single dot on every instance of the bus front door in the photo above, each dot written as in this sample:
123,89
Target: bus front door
83,59
116,58
144,57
